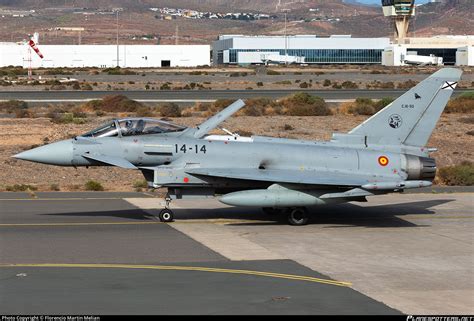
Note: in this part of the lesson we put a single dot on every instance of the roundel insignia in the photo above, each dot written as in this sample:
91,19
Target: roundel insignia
383,161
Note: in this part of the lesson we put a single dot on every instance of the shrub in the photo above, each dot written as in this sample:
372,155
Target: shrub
76,86
382,103
257,106
170,110
462,174
144,111
304,104
93,186
11,106
326,83
87,87
259,84
54,187
118,71
114,103
24,113
462,104
140,185
283,82
165,87
21,188
304,85
361,106
271,72
349,85
288,127
220,104
407,84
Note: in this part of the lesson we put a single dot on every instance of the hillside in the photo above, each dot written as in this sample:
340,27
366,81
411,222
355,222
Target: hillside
325,18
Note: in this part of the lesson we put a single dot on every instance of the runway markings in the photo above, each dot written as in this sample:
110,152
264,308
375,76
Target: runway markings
187,268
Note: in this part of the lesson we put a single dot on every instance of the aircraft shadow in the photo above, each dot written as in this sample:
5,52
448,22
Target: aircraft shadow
336,216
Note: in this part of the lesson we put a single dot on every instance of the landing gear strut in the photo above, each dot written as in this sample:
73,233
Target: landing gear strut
298,216
166,215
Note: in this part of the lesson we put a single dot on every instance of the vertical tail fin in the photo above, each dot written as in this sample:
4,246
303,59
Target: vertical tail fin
411,118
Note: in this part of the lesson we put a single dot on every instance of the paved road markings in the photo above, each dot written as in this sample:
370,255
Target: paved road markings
186,268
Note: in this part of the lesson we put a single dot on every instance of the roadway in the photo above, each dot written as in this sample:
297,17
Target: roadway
52,96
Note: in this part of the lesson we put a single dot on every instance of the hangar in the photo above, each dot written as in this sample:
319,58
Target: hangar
105,56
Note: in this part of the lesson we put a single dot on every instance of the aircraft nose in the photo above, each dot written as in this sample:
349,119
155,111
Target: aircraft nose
59,153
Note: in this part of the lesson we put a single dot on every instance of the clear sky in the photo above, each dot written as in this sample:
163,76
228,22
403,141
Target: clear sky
379,2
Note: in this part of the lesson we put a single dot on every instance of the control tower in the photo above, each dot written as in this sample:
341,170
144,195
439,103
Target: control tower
400,11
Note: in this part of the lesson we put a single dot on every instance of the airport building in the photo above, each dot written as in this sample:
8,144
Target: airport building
301,49
105,56
342,49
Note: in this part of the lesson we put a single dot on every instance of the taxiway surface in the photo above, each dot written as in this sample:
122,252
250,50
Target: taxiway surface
106,253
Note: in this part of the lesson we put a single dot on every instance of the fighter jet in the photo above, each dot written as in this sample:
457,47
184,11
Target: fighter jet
384,154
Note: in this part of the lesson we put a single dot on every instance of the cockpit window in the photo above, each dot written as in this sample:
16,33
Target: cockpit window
131,127
107,130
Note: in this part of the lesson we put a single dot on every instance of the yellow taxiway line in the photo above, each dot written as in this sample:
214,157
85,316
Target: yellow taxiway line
186,268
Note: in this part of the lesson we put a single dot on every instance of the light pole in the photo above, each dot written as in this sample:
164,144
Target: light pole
286,36
117,16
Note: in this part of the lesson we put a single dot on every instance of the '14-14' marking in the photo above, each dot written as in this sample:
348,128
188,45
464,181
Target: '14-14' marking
184,148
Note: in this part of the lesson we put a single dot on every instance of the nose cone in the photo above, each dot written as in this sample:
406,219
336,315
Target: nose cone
59,153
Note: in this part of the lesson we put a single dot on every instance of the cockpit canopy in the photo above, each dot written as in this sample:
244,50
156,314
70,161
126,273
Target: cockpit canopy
133,127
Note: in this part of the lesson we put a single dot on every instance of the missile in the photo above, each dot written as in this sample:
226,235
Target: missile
396,185
272,198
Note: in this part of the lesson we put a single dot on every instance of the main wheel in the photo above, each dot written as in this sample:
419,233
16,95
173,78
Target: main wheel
298,216
166,215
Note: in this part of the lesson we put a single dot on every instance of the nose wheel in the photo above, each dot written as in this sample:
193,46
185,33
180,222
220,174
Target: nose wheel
166,215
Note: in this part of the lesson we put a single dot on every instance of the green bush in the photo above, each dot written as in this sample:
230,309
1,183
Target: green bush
461,175
271,72
170,110
21,188
382,103
93,186
140,185
326,83
349,85
114,103
304,104
366,106
463,104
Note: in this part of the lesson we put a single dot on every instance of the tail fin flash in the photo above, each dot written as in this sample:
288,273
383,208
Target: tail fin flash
411,118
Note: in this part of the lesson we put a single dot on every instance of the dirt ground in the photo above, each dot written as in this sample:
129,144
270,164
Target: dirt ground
450,137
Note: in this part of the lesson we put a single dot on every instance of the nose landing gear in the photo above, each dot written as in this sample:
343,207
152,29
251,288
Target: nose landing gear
166,215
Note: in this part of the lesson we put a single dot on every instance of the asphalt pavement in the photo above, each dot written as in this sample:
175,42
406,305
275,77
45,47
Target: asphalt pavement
78,253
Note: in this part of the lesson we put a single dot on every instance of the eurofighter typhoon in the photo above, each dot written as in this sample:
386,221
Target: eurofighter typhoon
385,153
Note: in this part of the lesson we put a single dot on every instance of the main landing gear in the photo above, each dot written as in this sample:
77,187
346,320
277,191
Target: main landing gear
166,215
296,216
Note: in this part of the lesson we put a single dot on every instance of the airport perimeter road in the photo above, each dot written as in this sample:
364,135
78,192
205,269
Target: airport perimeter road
96,253
193,95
